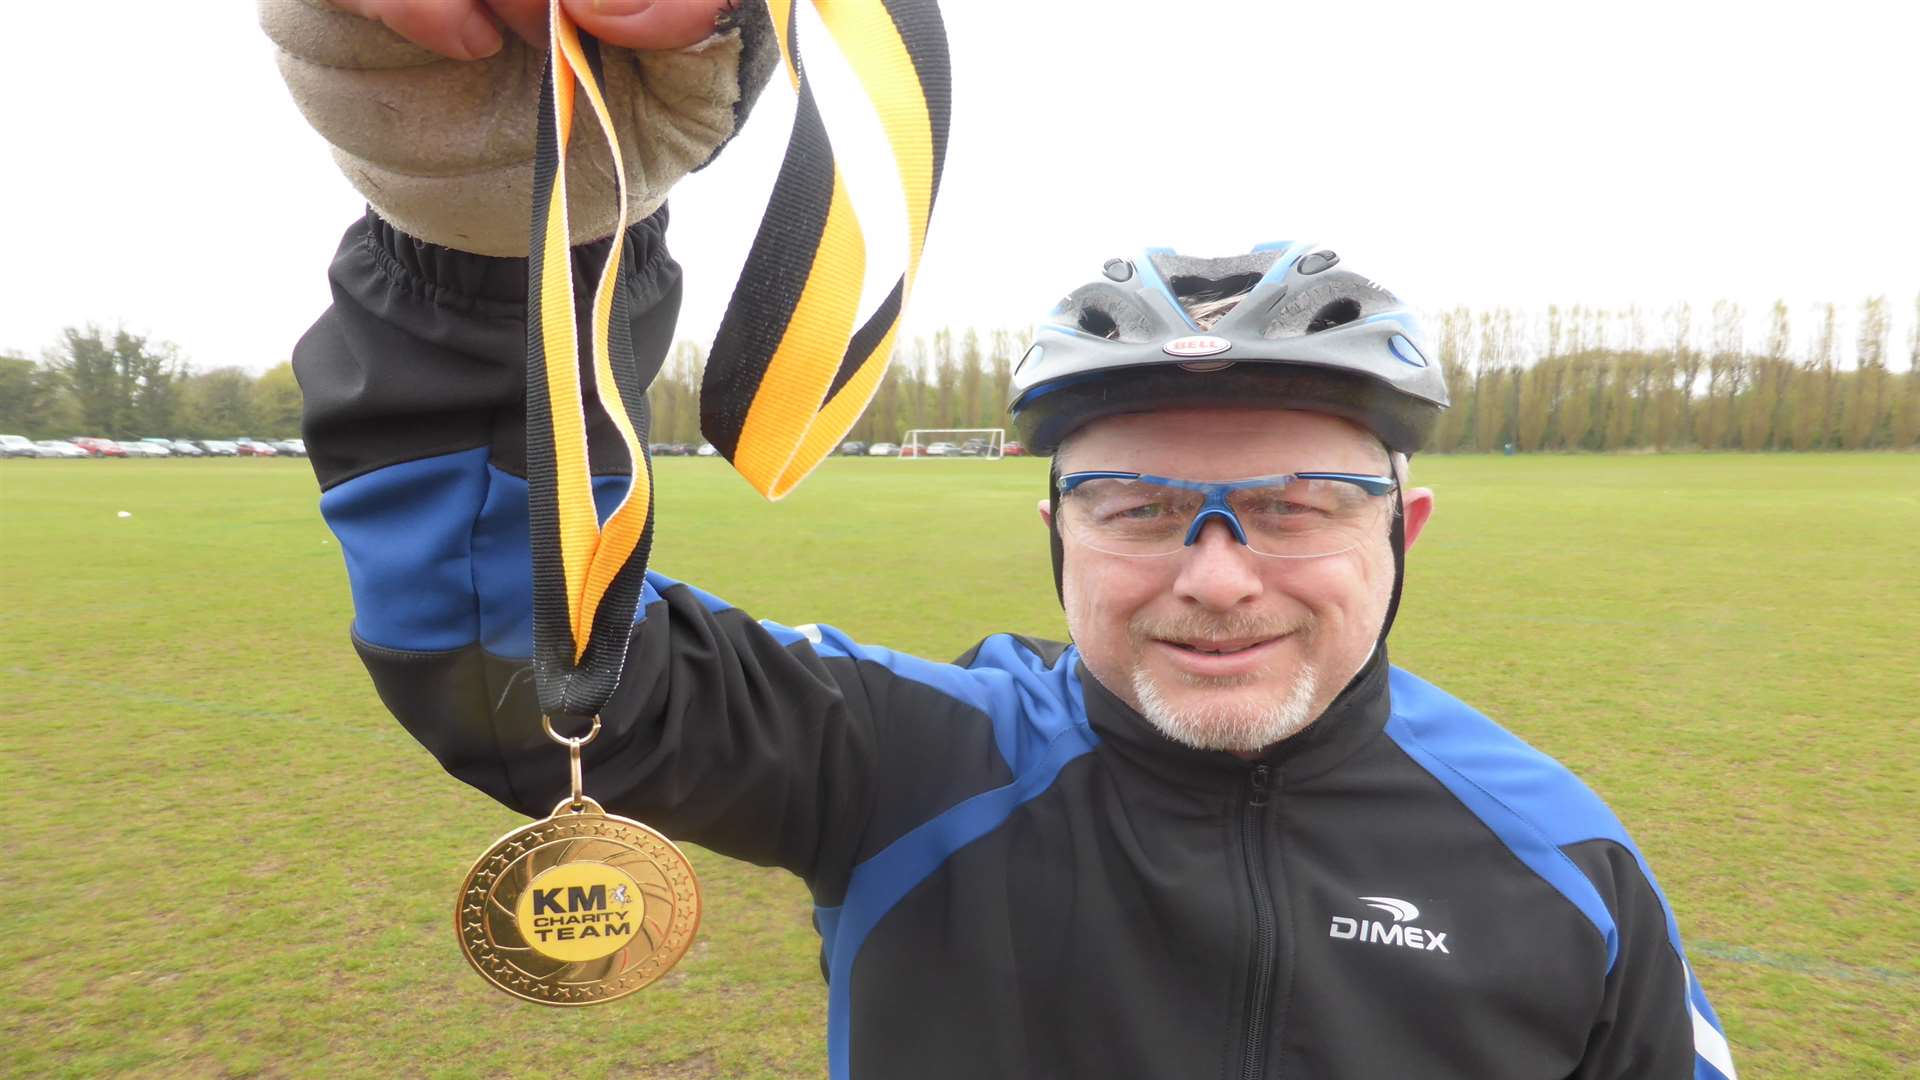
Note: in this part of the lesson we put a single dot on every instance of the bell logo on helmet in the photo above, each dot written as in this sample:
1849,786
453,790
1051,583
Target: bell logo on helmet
1196,345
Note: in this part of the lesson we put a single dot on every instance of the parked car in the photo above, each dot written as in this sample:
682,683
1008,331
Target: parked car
883,449
853,448
18,446
1013,449
147,448
184,448
59,448
219,448
165,445
975,448
290,447
942,449
253,448
98,447
911,450
707,449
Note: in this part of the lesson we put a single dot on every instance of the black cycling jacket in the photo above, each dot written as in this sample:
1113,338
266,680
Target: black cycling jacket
1016,875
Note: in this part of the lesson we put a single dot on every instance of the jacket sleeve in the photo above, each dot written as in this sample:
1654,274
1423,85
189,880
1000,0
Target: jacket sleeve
1655,1021
796,748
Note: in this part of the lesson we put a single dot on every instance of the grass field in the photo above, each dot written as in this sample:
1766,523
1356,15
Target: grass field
225,859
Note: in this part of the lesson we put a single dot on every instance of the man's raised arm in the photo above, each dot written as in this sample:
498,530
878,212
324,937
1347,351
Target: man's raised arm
752,739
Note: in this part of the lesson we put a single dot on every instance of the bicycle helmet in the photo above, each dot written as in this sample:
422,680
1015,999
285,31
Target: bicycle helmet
1281,326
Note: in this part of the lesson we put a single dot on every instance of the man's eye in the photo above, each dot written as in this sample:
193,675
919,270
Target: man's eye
1138,512
1277,507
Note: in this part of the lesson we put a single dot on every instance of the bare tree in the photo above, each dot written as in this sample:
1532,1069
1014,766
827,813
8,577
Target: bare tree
1825,344
1866,393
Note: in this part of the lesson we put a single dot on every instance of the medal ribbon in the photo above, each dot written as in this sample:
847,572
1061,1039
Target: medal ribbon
789,373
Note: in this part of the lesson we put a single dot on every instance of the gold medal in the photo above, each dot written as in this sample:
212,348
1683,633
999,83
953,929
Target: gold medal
580,907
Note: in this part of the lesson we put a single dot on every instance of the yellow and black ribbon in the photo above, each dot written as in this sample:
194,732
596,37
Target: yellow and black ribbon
587,576
789,373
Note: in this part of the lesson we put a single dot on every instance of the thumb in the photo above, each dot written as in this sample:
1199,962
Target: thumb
649,24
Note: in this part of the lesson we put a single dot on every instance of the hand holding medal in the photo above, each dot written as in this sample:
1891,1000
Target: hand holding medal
583,906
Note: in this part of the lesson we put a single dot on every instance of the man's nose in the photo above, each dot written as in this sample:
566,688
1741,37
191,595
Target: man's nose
1217,571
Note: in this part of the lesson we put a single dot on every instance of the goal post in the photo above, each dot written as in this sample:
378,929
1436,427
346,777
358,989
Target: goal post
986,444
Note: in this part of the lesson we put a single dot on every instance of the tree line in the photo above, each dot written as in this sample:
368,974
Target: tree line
1594,379
1576,378
1572,379
122,385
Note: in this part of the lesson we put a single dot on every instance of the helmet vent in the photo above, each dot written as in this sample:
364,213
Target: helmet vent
1335,313
1099,324
1208,300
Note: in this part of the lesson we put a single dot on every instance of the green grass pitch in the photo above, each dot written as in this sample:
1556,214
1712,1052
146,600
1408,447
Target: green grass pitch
224,858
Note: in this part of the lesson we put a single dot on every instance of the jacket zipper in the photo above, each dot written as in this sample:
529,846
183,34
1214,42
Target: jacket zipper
1253,848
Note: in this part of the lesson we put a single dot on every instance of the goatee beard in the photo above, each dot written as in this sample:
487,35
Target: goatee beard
1243,726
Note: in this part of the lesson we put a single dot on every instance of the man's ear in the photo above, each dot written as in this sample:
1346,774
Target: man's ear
1046,512
1418,506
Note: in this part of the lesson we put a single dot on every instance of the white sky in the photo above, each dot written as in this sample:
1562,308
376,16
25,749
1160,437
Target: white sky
1482,154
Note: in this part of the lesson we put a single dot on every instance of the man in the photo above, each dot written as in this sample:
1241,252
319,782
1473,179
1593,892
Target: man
1216,836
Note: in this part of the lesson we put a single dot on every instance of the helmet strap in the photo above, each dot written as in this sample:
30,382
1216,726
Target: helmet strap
1397,538
1053,540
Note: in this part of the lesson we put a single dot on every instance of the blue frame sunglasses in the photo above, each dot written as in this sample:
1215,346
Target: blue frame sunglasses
1217,493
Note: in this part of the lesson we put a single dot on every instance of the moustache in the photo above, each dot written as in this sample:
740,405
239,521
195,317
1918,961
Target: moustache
1194,626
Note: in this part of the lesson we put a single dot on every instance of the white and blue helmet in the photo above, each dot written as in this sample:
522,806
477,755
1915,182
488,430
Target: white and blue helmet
1301,334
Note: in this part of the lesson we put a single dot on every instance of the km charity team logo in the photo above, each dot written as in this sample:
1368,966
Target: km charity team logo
578,911
1380,931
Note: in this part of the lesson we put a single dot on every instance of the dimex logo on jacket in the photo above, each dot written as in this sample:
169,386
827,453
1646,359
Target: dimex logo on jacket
578,911
1400,931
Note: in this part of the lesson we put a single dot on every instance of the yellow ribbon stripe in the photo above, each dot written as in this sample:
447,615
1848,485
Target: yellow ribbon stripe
794,421
617,539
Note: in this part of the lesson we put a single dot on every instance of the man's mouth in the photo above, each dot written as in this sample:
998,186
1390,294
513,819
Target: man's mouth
1220,647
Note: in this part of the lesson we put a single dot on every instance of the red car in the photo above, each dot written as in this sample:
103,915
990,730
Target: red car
254,448
1012,449
98,447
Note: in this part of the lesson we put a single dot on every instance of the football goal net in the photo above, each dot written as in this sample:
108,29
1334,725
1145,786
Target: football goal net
984,443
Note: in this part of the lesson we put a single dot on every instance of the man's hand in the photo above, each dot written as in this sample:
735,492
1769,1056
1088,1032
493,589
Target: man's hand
470,29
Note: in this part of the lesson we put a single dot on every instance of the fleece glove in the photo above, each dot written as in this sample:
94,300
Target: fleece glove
443,149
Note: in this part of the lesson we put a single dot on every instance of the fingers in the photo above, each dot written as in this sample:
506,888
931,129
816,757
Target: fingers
461,29
648,24
467,29
527,18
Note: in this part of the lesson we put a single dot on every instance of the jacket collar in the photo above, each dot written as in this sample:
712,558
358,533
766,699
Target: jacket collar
1353,719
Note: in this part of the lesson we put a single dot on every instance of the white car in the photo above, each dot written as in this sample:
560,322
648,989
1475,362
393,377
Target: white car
59,448
942,449
707,449
18,446
883,449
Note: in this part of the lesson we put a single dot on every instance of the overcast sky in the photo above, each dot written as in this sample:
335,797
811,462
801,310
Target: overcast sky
1483,154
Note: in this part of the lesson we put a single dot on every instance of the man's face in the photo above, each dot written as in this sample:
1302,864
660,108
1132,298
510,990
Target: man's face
1219,646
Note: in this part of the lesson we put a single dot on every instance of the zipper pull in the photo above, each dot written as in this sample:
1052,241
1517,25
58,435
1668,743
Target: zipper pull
1259,783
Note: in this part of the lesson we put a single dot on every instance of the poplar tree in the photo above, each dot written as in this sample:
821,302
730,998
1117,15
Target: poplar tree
1723,376
1456,332
1759,420
972,408
1906,412
1671,426
1866,394
1825,342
